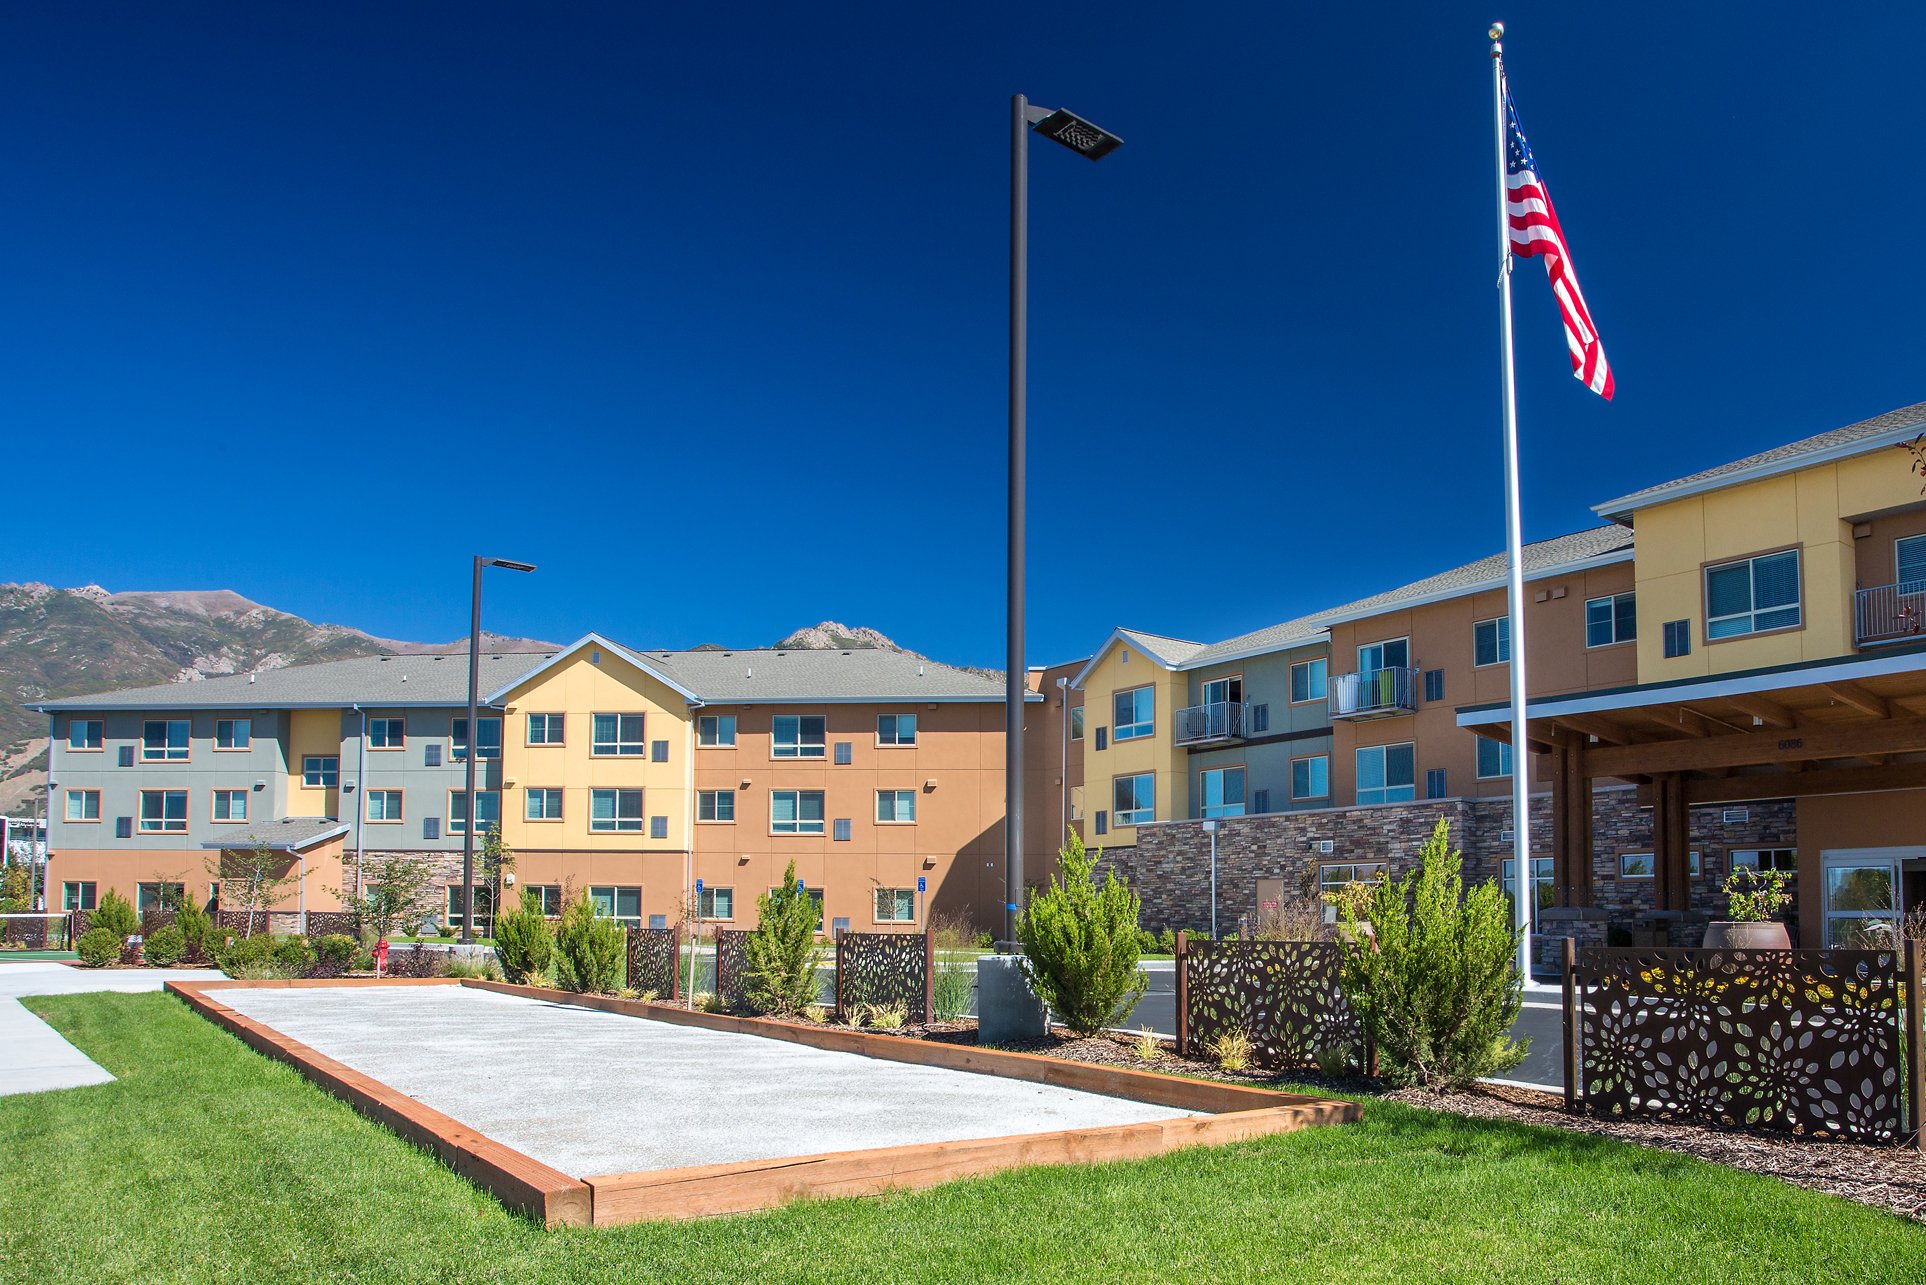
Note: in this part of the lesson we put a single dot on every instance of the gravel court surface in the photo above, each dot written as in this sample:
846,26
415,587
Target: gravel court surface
594,1093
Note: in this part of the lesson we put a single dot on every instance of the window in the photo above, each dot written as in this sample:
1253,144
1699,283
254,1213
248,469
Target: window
1541,880
1752,595
715,805
1611,620
617,736
78,894
233,733
1135,715
1491,641
1076,722
491,740
658,827
1309,679
164,740
896,729
1436,783
714,731
86,734
457,906
1334,879
545,897
384,805
1387,774
1221,792
1635,865
615,811
488,810
230,806
387,734
1311,777
1224,691
546,729
624,904
163,811
1909,562
1785,859
1134,799
1862,890
83,805
717,903
895,906
816,895
1678,638
1392,654
796,812
895,806
797,736
321,771
1494,758
542,803
158,897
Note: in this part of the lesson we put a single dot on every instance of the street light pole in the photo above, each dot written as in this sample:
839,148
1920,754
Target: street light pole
474,738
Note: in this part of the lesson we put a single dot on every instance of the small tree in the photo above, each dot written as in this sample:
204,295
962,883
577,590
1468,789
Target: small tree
779,956
524,943
16,889
1435,981
497,859
1756,896
1081,943
590,950
257,877
394,893
116,914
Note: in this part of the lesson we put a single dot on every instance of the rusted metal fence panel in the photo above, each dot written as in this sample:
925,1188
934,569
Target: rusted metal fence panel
1283,994
654,958
881,969
732,955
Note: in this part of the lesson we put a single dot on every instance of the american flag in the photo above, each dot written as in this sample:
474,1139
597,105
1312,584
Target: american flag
1535,231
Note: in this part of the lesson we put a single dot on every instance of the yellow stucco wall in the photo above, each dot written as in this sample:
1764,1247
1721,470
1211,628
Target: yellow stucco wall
579,688
312,731
1153,753
1813,508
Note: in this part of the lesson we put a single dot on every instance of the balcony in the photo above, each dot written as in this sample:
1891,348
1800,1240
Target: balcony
1374,693
1206,724
1889,613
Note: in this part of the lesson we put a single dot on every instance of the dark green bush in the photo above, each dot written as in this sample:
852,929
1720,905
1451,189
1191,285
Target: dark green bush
240,954
164,947
293,955
196,927
98,947
116,915
779,957
1167,942
336,951
590,951
524,943
1081,943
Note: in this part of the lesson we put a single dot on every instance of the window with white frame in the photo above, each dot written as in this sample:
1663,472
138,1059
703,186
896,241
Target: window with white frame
321,771
1134,799
456,905
1310,680
895,729
545,897
617,736
1909,563
715,805
1220,792
615,902
1782,859
384,805
1387,773
895,807
228,806
1612,619
1334,878
1076,722
387,733
1541,880
158,896
86,734
163,811
233,733
542,803
1393,653
895,905
1311,777
83,805
1494,758
1752,595
490,740
717,903
615,811
797,736
796,812
1491,641
715,731
488,810
164,740
546,729
1133,714
78,894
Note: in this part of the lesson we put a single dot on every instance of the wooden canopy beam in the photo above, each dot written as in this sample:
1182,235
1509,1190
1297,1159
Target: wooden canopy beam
1754,749
1604,729
1795,785
1860,699
1770,712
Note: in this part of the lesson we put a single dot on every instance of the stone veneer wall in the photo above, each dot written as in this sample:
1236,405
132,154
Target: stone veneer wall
1170,865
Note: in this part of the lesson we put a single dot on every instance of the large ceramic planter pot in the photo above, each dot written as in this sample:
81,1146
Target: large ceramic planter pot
1735,934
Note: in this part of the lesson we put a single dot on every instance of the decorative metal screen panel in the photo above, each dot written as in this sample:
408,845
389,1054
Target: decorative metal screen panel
1804,1041
1283,994
30,934
653,957
883,968
732,956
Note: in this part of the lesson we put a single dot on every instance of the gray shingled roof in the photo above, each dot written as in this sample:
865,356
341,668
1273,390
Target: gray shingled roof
387,681
1540,556
1173,652
794,676
1305,629
290,834
1866,434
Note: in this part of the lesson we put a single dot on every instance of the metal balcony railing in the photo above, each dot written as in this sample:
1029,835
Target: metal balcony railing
1218,721
1889,613
1374,693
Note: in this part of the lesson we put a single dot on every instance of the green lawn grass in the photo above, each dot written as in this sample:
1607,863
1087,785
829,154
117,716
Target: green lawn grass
207,1162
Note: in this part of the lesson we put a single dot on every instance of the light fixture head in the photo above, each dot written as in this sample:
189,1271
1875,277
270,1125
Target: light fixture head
1497,31
1079,135
509,564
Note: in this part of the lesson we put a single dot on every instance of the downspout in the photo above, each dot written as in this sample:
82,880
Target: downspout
361,793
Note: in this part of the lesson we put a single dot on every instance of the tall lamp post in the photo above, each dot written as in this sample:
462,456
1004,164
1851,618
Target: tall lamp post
1095,143
474,738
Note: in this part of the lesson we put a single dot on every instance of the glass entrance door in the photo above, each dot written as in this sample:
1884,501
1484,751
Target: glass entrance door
1862,895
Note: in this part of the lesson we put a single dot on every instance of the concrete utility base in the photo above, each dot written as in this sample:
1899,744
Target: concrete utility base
598,1093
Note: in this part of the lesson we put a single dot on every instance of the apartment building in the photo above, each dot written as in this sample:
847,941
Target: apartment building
626,774
1764,599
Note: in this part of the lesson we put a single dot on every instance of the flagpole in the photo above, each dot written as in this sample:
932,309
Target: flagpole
1524,887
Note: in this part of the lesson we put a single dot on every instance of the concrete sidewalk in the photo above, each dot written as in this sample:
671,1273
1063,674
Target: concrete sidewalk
36,1056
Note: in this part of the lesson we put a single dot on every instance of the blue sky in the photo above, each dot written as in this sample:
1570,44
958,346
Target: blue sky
703,309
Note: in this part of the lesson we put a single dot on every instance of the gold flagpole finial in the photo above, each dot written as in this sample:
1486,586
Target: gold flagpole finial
1497,34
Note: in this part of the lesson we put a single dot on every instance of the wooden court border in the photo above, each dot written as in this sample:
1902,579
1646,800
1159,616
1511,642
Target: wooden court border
1233,1113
